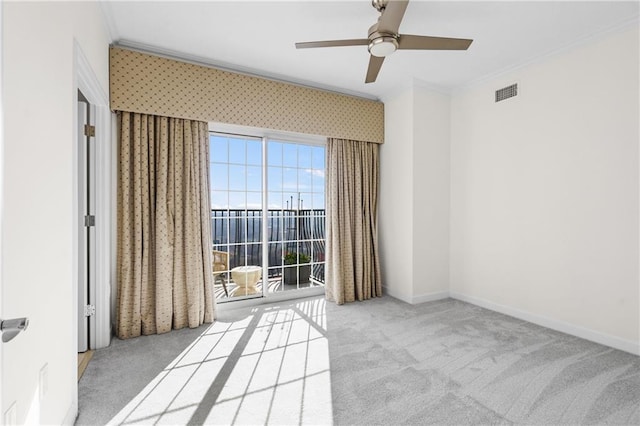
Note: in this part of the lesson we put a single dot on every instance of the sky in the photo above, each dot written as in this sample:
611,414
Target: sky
295,174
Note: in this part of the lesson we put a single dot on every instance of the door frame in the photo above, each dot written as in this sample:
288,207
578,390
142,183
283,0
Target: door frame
2,407
87,82
85,168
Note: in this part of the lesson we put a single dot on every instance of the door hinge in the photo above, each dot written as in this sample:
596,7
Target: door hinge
89,310
89,220
89,130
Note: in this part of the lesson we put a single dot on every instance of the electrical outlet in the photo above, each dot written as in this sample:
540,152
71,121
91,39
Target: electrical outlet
44,381
11,415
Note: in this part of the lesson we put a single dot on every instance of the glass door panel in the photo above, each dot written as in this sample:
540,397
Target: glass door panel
236,216
296,215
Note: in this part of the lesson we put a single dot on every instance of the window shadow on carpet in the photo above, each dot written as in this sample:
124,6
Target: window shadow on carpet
270,366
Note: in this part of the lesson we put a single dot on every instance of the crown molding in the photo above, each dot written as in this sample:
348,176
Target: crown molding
108,21
582,41
421,84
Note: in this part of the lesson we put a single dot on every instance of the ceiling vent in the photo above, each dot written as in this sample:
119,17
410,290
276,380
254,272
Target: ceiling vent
507,92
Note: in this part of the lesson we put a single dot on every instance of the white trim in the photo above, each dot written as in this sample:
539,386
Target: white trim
396,295
591,38
265,214
272,297
411,85
429,297
414,300
84,111
270,134
114,214
75,246
72,414
443,90
2,406
564,327
109,22
88,84
104,276
238,307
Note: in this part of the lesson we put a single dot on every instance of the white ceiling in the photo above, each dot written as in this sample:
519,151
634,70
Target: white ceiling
258,37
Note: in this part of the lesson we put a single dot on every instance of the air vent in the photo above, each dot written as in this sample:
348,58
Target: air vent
507,92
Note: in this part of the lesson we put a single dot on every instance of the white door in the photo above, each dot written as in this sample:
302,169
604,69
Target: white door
9,328
86,213
1,197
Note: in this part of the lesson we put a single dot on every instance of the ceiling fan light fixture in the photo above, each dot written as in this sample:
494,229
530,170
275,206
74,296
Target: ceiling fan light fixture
383,46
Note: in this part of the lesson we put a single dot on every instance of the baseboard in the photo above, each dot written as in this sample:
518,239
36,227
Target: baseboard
413,300
429,297
564,327
72,413
396,295
282,296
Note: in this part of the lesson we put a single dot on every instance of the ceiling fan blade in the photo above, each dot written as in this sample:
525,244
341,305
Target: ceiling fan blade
392,16
406,41
375,63
332,43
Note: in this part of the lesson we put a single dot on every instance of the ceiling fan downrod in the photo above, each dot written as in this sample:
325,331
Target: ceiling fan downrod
379,4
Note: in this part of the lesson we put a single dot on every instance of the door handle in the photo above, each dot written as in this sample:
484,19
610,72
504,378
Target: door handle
11,328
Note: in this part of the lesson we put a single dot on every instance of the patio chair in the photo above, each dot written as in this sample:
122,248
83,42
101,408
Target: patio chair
220,265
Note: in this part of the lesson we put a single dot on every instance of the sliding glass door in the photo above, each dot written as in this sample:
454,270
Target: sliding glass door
236,215
295,176
272,186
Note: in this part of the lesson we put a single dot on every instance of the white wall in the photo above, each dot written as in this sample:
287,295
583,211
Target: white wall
431,139
396,197
545,192
414,189
39,102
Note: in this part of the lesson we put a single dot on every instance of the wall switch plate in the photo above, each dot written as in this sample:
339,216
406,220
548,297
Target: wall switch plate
43,381
11,415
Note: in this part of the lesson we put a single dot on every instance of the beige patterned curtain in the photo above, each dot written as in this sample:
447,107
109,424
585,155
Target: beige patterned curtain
353,267
164,229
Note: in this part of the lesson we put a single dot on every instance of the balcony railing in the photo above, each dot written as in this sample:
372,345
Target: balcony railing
239,232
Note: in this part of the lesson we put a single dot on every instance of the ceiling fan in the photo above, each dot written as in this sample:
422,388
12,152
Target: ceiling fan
384,38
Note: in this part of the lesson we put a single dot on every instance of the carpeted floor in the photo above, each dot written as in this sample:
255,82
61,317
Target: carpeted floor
377,362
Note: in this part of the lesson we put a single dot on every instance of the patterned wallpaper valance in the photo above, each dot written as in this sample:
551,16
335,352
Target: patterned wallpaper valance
151,84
